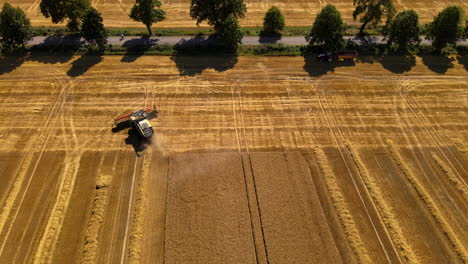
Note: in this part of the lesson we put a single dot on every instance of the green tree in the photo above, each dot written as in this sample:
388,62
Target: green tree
147,12
59,10
230,32
404,29
273,23
92,29
328,29
216,12
372,12
446,27
15,28
465,32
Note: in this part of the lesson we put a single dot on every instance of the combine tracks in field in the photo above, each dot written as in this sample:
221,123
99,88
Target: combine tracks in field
46,133
339,143
129,213
235,88
436,137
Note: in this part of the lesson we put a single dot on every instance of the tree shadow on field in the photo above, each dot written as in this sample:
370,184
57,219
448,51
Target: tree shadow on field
315,68
11,62
55,49
438,63
194,56
137,48
83,64
138,143
463,60
398,63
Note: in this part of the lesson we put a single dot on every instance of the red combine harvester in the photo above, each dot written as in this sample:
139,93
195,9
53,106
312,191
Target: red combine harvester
139,120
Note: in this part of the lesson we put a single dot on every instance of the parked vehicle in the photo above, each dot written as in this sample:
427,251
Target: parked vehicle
338,56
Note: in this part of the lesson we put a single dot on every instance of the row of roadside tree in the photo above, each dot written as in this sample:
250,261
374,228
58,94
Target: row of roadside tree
402,29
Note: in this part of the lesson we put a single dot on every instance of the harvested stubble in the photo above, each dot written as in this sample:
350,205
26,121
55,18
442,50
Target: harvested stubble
388,217
280,113
17,185
438,216
46,247
140,210
96,219
451,176
342,208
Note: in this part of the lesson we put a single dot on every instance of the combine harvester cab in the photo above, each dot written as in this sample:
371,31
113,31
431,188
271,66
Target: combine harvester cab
139,120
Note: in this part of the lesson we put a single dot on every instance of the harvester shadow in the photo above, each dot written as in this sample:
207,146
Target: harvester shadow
438,63
138,143
197,54
83,64
121,126
316,68
137,48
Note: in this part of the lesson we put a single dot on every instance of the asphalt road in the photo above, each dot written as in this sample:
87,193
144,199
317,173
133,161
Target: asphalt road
190,40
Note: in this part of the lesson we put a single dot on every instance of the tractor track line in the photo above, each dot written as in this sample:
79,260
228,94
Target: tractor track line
244,175
349,172
342,138
252,171
62,95
365,188
165,210
69,169
402,94
129,212
429,203
115,217
8,199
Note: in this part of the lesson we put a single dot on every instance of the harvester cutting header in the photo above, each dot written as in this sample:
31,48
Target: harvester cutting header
139,120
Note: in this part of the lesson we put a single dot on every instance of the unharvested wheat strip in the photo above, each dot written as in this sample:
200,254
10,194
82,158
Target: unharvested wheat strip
96,219
47,244
17,184
452,177
389,219
438,216
140,209
342,208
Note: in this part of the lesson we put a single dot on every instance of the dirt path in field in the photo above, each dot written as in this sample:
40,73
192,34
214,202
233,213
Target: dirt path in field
255,160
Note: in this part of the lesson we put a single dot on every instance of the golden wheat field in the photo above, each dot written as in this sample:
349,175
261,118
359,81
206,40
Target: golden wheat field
255,160
296,12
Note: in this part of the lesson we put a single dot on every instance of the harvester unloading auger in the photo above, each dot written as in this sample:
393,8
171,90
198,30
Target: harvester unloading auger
139,120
